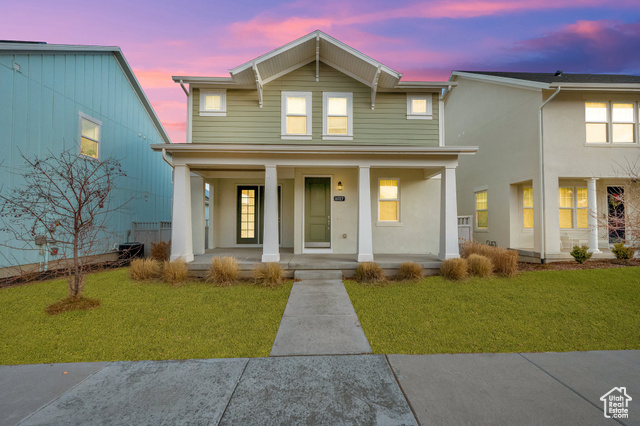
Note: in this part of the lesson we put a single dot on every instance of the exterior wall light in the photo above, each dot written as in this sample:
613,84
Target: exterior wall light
340,186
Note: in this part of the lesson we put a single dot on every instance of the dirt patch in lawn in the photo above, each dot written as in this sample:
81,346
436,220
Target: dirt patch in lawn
573,265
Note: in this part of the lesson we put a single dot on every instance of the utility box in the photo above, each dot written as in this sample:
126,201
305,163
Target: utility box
130,251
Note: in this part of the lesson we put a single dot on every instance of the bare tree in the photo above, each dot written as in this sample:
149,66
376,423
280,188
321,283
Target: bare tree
65,200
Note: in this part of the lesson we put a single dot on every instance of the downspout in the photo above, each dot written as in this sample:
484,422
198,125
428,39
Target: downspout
541,154
164,157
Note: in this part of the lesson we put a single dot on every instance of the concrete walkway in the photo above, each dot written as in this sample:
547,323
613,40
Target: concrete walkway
462,389
319,319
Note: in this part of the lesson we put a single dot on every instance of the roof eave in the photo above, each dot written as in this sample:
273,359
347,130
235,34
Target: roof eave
505,81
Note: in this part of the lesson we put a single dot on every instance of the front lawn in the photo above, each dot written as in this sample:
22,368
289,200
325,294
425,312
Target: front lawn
584,310
139,321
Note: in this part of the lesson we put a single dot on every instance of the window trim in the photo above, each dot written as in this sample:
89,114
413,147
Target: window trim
420,116
574,207
397,199
83,116
610,123
283,112
222,112
476,210
325,116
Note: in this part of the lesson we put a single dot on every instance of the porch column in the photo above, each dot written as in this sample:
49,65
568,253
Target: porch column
270,246
365,238
448,215
197,214
593,215
181,237
210,237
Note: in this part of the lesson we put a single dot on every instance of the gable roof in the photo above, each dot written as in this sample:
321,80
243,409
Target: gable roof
31,47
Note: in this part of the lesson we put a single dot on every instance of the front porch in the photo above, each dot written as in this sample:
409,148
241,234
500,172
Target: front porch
248,258
531,256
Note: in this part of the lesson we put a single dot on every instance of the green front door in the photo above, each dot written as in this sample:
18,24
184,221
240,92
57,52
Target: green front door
317,212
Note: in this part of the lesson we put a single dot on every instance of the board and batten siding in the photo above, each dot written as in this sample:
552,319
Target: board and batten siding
247,123
39,108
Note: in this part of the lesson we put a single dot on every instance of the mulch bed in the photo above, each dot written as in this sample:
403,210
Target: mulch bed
573,265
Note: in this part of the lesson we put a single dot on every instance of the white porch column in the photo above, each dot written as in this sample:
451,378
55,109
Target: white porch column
448,215
365,238
270,246
593,215
212,244
181,237
197,214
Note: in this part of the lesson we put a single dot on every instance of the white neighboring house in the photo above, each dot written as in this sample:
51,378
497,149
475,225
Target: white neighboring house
318,148
551,170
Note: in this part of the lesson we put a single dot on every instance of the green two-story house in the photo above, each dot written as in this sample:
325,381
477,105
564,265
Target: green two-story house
318,148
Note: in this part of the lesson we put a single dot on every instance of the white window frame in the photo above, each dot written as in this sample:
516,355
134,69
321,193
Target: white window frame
283,106
476,210
574,206
83,116
610,123
420,116
222,112
325,115
397,199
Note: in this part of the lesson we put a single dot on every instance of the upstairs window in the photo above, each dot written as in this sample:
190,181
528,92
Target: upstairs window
213,102
419,107
296,115
611,122
388,200
482,210
89,136
337,120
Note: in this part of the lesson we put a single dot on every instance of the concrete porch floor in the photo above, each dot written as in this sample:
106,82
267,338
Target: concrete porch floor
290,262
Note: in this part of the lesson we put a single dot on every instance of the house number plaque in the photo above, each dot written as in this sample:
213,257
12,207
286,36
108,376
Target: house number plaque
338,198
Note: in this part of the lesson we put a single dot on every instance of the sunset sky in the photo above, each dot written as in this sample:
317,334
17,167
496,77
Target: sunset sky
423,39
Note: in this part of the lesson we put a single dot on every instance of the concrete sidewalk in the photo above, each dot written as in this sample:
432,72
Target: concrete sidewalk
497,389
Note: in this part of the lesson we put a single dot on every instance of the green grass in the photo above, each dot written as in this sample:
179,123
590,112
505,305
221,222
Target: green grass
139,321
596,309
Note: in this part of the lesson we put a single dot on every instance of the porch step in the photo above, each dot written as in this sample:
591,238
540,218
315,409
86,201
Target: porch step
318,274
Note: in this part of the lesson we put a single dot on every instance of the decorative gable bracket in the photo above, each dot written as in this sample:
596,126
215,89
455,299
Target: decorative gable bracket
259,83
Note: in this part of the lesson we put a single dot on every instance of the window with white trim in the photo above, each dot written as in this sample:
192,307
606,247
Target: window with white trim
527,207
573,208
337,118
296,115
89,136
420,107
388,200
213,102
611,122
482,210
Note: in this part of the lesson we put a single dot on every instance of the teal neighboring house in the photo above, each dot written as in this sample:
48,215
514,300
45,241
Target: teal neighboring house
84,98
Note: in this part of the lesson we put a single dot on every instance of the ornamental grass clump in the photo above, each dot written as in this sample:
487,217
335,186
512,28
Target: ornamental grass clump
369,272
480,266
144,269
454,269
580,254
622,252
160,251
410,271
268,274
505,262
175,272
223,270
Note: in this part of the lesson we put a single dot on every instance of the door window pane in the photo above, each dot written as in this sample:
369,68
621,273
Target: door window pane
247,213
528,218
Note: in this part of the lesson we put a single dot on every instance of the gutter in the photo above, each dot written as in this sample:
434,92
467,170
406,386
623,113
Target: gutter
543,224
164,157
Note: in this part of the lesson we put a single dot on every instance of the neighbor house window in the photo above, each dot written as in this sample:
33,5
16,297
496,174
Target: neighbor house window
613,122
527,207
89,136
419,107
213,102
388,200
337,120
296,115
482,213
573,207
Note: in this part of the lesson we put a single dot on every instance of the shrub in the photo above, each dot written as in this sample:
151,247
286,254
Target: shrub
454,269
144,269
268,274
580,254
622,252
410,271
505,262
369,272
480,266
175,272
160,251
223,270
